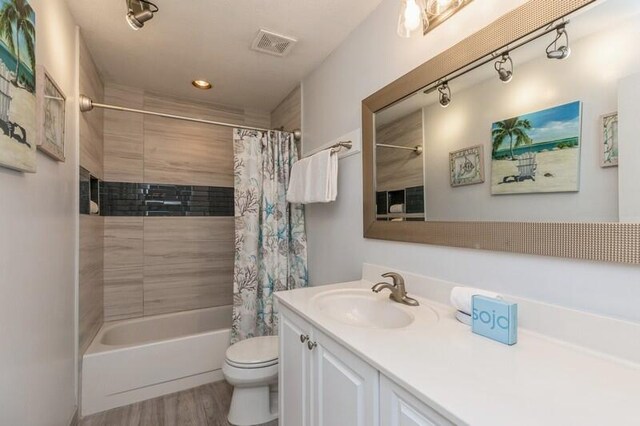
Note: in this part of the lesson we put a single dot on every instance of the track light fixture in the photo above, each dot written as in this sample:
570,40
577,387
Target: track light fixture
139,12
559,52
504,67
445,94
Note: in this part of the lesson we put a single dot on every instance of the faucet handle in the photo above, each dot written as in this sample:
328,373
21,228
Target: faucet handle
397,278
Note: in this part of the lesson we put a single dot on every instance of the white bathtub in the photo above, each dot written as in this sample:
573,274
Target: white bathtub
133,360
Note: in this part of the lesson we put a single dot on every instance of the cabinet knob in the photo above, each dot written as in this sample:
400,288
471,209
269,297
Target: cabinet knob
303,338
311,345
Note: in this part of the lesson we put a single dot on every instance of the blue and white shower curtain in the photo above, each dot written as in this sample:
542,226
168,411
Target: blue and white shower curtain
270,243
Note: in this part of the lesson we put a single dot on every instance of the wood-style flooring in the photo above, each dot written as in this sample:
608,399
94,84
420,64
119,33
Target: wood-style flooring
206,405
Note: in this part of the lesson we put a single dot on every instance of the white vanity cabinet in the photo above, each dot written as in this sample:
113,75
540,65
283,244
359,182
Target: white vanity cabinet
399,408
321,383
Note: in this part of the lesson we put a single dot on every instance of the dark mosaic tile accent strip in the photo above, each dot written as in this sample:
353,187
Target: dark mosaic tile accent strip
415,199
381,203
85,190
146,199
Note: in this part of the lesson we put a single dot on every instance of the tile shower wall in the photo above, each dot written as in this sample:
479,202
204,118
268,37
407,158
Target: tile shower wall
167,202
90,288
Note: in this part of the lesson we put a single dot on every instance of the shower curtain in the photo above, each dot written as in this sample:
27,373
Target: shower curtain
270,243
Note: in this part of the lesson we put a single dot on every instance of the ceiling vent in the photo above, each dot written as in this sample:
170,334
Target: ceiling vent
272,43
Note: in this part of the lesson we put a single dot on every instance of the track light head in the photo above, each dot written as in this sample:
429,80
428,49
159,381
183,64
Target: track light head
445,94
139,12
504,67
559,52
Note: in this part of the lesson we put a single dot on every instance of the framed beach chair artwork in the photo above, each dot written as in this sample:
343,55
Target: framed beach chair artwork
537,152
18,130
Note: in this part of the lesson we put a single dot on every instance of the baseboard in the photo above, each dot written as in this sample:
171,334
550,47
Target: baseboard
74,418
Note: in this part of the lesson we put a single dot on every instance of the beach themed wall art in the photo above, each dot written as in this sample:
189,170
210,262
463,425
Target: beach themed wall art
537,152
609,147
17,85
51,115
467,166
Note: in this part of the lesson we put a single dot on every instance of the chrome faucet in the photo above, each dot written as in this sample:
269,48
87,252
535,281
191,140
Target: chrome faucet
398,292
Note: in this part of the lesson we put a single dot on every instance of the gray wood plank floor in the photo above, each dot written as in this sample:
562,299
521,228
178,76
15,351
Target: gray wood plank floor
206,405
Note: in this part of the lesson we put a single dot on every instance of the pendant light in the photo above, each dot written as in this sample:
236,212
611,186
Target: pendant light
412,18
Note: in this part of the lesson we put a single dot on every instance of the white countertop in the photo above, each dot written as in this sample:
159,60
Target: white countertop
474,380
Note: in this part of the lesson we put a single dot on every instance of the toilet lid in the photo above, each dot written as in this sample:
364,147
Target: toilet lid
254,351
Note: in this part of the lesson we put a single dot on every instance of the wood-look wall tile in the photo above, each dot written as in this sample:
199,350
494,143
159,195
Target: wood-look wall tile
186,107
179,152
91,279
288,114
123,267
123,293
123,136
91,123
123,242
399,168
188,263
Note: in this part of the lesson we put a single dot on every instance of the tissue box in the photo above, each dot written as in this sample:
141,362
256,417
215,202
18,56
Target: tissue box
495,319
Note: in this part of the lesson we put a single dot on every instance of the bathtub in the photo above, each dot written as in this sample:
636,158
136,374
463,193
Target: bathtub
133,360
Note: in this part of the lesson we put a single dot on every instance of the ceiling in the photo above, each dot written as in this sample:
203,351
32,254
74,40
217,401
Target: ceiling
211,39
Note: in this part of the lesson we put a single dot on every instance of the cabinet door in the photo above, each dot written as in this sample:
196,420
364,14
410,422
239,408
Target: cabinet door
294,370
344,389
399,408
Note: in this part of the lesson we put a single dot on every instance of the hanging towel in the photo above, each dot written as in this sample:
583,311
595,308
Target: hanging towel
314,179
461,297
396,208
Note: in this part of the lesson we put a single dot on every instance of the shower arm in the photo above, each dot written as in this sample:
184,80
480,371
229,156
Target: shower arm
87,104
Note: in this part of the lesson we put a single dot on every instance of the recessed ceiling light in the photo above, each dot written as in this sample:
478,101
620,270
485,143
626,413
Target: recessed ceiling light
202,84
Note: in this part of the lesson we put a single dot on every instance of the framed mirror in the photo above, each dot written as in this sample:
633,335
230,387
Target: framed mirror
520,138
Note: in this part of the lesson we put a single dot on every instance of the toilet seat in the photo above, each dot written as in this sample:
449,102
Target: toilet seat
252,365
257,352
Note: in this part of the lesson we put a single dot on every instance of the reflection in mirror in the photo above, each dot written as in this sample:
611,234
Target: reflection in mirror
399,167
528,134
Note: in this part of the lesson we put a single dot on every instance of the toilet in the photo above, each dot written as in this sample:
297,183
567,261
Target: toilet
251,367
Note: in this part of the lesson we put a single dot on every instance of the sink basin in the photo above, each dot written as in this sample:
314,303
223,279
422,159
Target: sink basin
363,308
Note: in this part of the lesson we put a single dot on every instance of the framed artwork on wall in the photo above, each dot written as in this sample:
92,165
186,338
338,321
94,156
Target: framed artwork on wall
537,152
609,141
51,115
466,166
18,86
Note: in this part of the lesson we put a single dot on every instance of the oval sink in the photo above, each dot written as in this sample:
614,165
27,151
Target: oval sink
363,308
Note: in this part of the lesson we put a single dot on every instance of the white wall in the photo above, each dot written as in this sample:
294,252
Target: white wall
37,257
369,59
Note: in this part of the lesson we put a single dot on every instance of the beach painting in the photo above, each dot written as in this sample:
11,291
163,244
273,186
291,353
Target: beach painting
537,152
609,146
18,130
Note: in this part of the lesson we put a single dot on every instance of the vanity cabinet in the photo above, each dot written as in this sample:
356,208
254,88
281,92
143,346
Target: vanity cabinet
399,408
321,383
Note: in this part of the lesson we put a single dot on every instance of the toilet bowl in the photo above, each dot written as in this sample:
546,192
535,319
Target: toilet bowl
251,367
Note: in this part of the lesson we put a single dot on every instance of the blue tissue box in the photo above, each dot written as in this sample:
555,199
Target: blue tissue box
495,319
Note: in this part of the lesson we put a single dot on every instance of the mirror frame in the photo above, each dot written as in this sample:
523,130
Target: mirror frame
608,242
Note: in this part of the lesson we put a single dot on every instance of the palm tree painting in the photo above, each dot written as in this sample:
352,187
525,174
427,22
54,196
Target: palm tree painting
17,85
511,128
537,152
18,28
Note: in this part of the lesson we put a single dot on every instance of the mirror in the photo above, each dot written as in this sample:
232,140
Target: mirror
528,133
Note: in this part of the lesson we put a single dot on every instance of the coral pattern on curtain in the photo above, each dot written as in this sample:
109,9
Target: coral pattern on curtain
271,243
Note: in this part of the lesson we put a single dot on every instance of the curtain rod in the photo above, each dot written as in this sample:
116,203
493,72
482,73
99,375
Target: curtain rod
87,104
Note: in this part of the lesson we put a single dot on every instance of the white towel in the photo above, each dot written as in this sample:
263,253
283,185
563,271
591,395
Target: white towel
461,297
314,179
94,208
396,208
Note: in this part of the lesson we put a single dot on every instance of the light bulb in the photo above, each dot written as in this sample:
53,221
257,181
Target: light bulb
412,15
